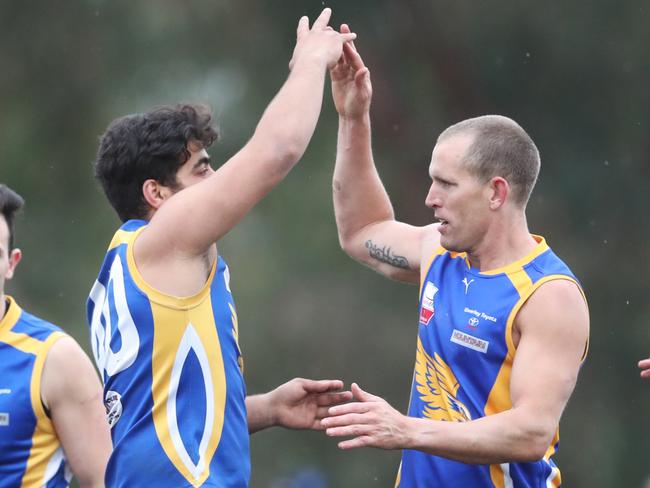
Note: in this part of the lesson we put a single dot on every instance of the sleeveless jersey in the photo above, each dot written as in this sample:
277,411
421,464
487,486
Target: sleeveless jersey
464,359
30,452
172,372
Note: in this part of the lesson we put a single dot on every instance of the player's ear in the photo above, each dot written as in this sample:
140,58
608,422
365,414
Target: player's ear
499,190
14,258
154,193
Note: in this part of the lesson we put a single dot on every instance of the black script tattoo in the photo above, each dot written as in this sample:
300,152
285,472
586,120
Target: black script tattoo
385,255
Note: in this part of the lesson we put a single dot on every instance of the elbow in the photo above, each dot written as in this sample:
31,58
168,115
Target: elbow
344,242
286,148
348,243
535,445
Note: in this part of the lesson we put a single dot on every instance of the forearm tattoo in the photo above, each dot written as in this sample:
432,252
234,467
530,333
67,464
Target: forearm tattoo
385,255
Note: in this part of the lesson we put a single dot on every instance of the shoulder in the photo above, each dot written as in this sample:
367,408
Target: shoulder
561,294
35,327
557,307
67,372
430,244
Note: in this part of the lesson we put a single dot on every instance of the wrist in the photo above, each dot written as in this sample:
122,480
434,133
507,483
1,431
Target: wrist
310,63
270,412
261,414
412,429
361,119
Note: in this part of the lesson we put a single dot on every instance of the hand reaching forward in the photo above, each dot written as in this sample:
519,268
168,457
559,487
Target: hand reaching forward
320,43
301,403
351,87
644,364
370,421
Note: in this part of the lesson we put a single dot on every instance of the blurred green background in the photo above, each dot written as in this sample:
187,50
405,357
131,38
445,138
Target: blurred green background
574,74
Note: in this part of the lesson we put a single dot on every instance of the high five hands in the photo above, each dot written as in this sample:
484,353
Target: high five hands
320,41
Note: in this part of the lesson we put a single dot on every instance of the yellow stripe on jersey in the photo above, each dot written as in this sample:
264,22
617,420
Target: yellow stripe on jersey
198,332
154,295
424,270
12,314
499,398
120,237
45,442
181,325
497,476
399,475
541,248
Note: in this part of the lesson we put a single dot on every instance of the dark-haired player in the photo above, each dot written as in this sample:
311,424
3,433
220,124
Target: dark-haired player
52,420
163,321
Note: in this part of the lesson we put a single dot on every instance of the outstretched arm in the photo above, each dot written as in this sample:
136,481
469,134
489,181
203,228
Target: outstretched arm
71,390
543,376
195,218
366,223
297,404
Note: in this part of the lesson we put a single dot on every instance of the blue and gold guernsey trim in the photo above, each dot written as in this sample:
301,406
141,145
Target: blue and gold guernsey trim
30,452
172,371
464,359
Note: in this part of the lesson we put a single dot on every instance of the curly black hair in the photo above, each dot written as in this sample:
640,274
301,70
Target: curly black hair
152,145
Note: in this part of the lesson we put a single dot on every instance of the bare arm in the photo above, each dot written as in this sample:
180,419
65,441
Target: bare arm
366,223
297,404
543,376
208,210
71,390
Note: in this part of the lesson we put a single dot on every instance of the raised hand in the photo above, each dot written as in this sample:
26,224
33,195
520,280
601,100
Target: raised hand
370,422
301,403
351,87
321,42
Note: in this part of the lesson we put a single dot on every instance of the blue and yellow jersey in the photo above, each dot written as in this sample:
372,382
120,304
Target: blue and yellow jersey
464,358
172,371
30,452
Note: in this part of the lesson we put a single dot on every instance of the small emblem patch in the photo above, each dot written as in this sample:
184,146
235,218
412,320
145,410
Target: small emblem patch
113,406
466,340
4,419
427,310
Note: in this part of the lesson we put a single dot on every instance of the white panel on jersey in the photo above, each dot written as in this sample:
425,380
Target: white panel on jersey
53,466
112,362
189,342
507,480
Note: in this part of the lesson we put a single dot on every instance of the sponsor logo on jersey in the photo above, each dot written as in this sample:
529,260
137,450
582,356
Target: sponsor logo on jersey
4,419
427,310
466,340
480,315
472,322
5,391
113,404
467,283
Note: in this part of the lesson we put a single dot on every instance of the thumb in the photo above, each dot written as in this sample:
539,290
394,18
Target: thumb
362,76
361,395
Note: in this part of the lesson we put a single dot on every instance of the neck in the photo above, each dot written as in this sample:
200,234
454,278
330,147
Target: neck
505,242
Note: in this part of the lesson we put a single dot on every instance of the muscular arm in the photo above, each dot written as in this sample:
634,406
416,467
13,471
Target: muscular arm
72,392
366,223
194,219
553,328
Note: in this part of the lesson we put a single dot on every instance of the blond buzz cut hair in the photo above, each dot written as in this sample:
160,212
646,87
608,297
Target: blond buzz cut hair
500,147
